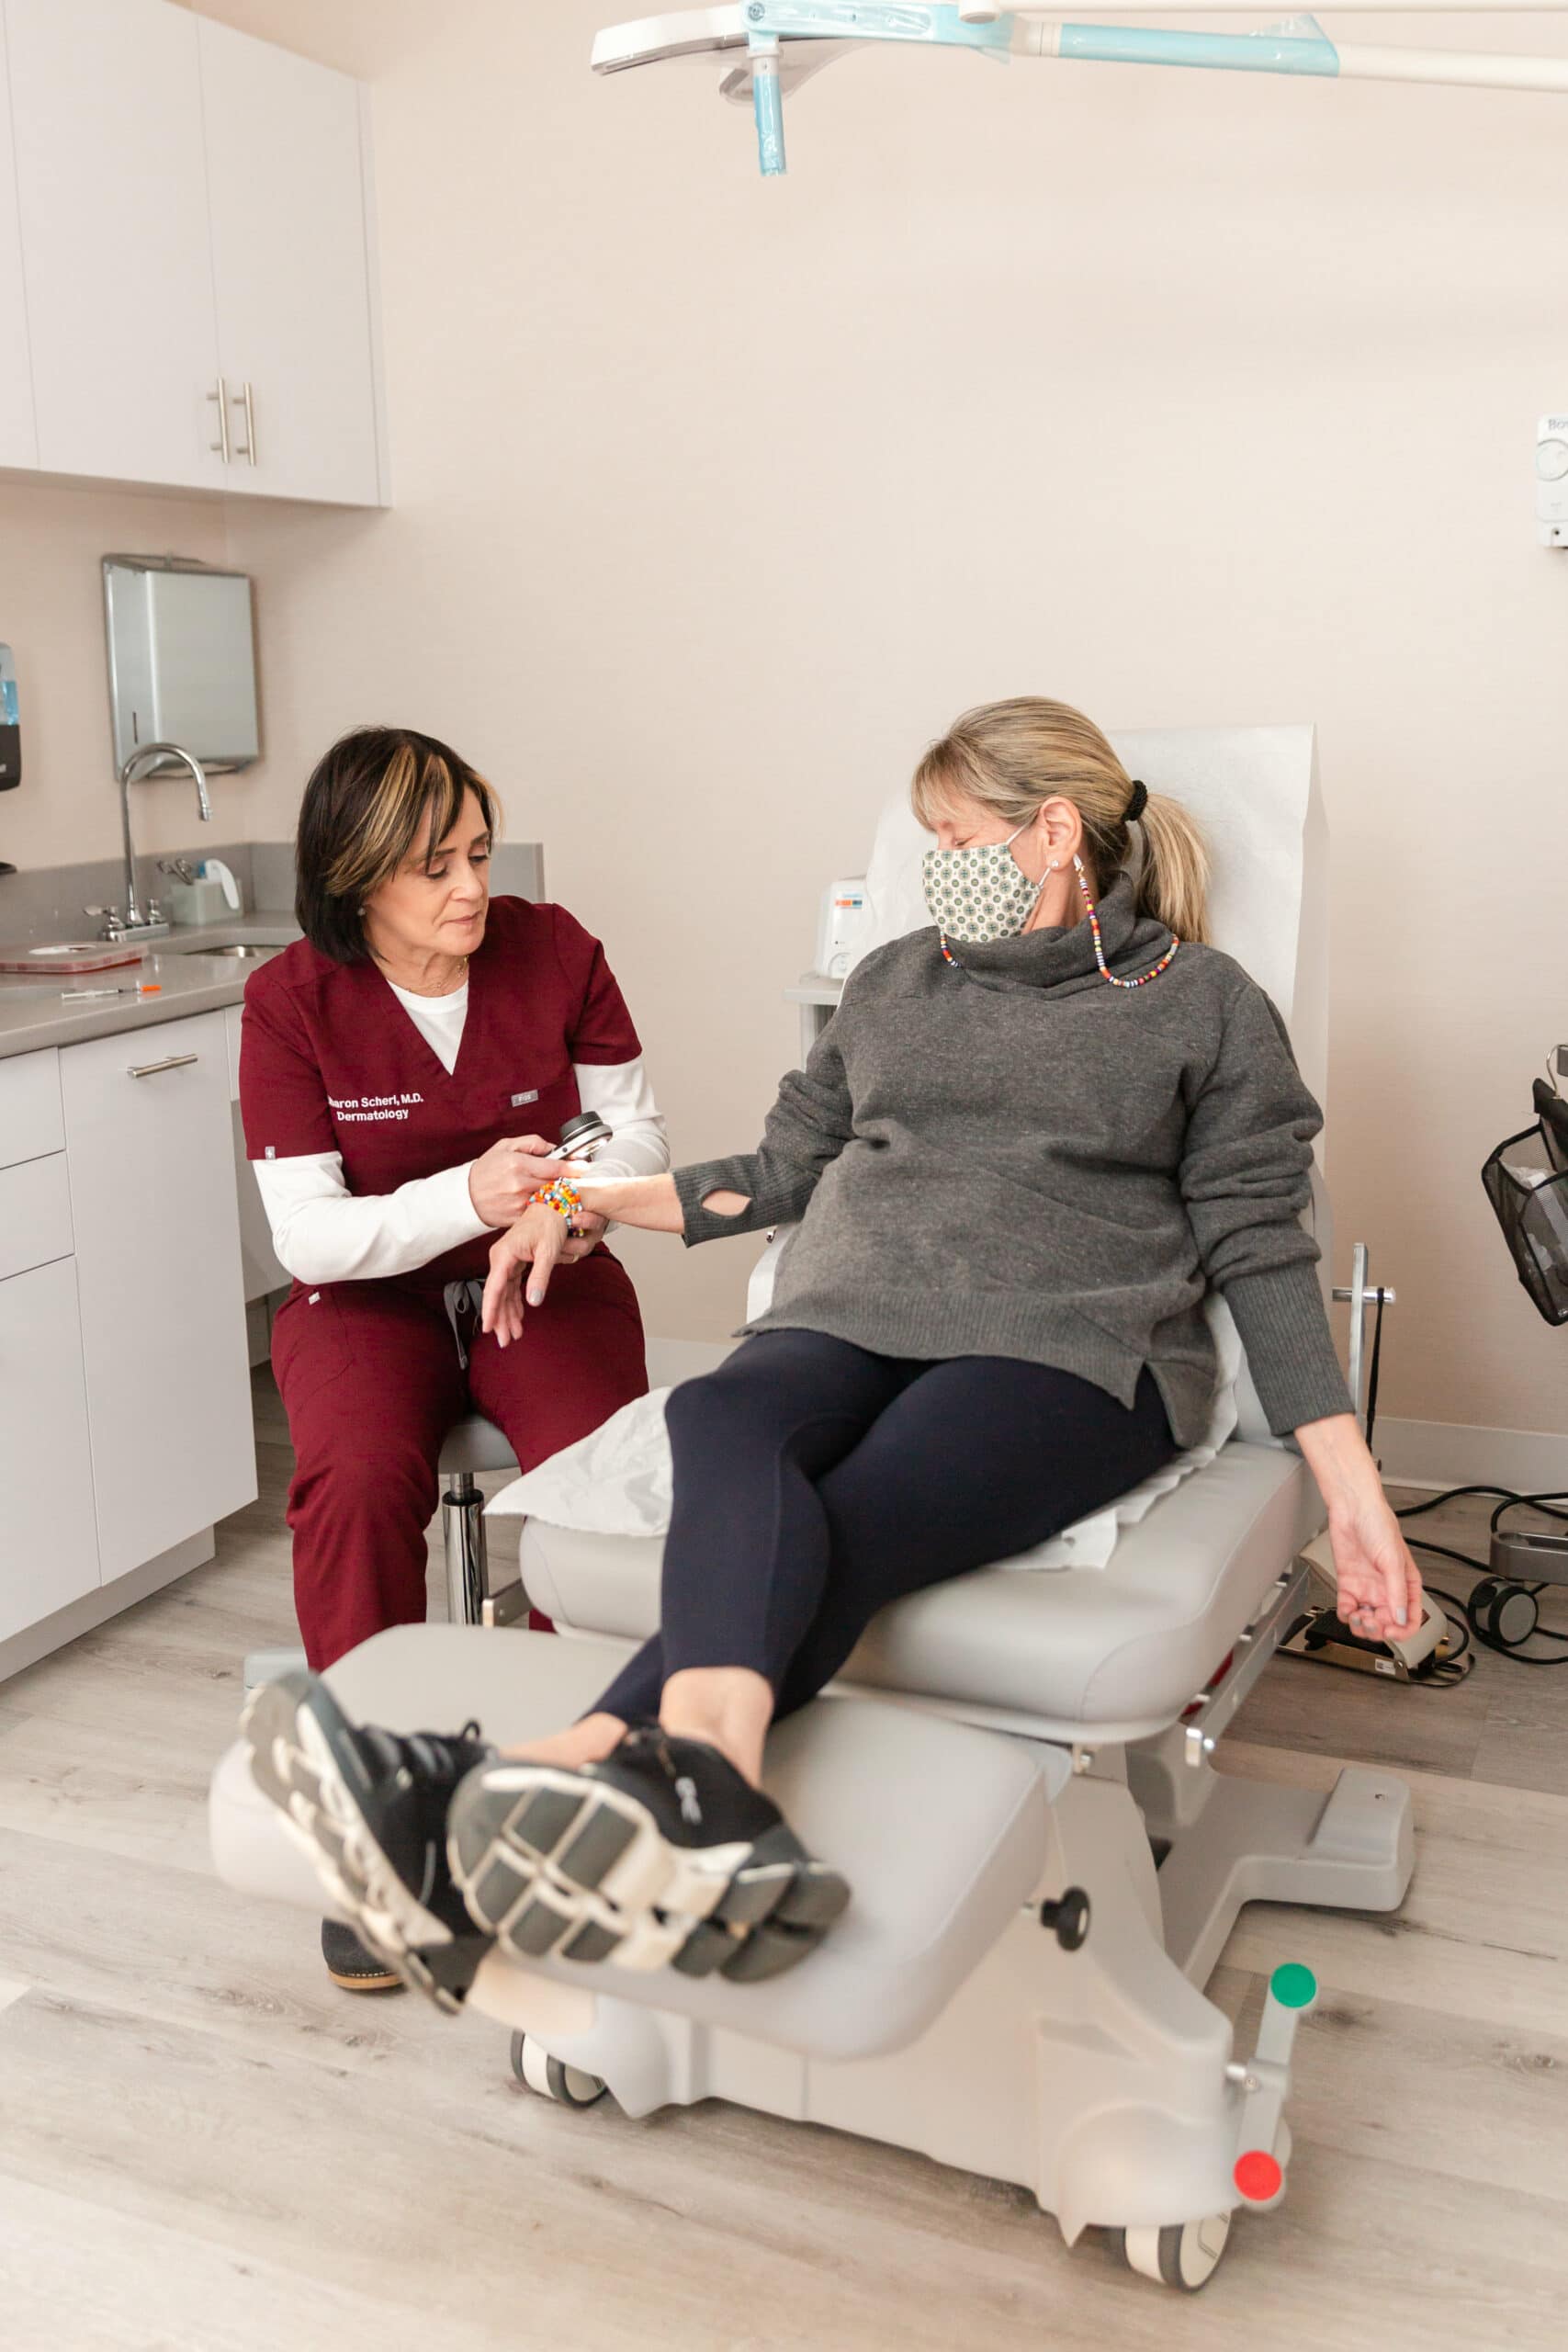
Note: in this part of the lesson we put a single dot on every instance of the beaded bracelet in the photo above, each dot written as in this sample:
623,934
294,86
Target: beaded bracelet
564,1198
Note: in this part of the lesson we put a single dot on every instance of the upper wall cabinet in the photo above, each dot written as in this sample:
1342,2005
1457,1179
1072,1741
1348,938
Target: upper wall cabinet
19,438
106,101
287,190
196,247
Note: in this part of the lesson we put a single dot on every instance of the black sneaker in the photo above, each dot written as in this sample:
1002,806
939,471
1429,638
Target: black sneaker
352,1964
661,1856
370,1808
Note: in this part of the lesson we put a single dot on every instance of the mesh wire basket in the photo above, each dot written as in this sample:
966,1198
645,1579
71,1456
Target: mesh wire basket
1527,1184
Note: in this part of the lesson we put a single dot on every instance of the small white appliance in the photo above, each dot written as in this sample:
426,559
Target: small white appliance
843,928
1551,480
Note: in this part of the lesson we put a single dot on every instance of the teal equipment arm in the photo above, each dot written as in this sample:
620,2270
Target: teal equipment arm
767,102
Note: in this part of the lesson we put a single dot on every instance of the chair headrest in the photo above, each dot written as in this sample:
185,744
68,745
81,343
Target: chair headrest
1254,791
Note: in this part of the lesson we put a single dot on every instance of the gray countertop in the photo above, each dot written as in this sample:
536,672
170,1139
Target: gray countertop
56,1011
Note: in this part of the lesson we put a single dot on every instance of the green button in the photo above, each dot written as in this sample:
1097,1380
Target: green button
1294,1986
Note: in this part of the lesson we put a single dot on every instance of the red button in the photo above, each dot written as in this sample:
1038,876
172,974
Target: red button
1257,2175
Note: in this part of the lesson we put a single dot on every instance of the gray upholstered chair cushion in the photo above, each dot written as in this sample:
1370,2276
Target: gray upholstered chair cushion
1118,1651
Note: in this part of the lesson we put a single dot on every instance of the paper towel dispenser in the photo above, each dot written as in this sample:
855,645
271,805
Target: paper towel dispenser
182,658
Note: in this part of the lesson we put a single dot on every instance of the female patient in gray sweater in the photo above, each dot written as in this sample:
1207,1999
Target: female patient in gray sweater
1030,1139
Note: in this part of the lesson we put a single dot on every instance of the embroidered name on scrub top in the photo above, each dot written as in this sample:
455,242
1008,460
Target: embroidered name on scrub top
377,1106
329,1061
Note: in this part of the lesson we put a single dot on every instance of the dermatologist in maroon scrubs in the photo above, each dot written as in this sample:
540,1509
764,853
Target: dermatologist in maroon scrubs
404,1069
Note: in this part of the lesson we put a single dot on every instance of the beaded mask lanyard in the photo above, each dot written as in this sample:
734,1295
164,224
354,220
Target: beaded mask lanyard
1136,808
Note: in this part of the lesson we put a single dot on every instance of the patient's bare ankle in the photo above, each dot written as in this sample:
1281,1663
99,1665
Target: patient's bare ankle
729,1706
588,1742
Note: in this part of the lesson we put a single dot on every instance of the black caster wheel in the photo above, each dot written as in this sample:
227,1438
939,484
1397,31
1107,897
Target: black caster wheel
1185,2254
537,2071
1069,1916
1506,1611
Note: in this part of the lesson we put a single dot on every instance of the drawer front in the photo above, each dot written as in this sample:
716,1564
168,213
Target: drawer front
35,1214
31,1121
232,1019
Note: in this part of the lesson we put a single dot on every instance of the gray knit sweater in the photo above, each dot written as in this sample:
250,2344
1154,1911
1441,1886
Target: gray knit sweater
1010,1158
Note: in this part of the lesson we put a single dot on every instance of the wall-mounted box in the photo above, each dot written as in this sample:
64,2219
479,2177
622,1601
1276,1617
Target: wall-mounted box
181,659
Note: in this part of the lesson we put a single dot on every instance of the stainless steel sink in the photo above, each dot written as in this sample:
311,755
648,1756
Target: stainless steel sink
239,952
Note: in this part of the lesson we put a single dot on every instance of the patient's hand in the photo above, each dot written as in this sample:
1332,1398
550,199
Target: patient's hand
1379,1584
587,1232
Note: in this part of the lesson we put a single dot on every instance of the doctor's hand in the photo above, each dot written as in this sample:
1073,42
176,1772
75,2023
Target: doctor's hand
525,1257
504,1179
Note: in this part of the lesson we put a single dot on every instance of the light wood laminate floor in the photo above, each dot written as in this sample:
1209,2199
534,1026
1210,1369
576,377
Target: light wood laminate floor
205,2147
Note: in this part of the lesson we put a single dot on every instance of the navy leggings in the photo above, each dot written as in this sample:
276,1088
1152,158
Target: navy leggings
816,1482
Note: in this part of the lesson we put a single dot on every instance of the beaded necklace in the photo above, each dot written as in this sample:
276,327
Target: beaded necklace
1105,972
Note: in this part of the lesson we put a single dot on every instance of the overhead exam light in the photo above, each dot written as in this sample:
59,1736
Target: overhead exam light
785,41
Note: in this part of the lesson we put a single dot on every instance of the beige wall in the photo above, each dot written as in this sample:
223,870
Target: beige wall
1189,398
52,612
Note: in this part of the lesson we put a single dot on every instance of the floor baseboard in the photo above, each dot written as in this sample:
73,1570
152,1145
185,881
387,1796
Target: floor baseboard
1440,1454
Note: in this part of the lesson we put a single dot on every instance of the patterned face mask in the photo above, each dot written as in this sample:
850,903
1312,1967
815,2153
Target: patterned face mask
980,893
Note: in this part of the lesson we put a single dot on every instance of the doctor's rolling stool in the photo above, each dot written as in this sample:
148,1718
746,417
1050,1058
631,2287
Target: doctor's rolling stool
473,1444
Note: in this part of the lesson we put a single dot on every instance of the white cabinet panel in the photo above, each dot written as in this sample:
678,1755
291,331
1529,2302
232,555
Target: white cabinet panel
162,1299
287,193
18,438
30,1118
35,1214
105,104
49,1552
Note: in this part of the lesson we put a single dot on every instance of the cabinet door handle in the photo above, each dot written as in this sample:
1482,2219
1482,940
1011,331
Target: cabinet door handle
150,1070
247,447
221,396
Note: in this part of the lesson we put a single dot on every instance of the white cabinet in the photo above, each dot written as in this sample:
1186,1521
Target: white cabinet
49,1549
18,436
258,1259
187,219
285,189
106,106
148,1144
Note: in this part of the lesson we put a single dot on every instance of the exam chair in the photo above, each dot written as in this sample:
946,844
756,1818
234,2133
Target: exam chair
1015,1771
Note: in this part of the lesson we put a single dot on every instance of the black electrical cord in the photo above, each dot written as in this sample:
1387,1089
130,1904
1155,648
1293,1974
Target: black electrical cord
1541,1503
1372,1371
1474,1631
1510,1501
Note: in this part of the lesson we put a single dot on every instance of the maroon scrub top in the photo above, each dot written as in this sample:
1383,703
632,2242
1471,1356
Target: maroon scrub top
329,1061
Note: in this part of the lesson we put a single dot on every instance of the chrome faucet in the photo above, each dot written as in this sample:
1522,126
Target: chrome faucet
136,918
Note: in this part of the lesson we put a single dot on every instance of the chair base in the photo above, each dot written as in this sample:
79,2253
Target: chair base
1101,2079
470,1599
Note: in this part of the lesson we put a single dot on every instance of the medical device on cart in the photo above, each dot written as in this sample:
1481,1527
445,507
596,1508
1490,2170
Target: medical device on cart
1525,1180
1015,1771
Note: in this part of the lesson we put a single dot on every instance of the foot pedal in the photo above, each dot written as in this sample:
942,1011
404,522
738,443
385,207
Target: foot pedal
1428,1652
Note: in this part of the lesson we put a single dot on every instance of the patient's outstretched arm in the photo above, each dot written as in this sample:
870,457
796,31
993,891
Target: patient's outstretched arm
650,1201
533,1246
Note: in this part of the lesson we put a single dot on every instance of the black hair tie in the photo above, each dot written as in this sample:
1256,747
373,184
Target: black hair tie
1136,805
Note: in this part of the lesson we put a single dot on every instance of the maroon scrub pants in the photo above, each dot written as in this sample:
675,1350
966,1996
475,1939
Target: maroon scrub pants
371,1381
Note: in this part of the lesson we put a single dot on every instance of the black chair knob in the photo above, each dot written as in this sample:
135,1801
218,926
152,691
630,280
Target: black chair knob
1068,1916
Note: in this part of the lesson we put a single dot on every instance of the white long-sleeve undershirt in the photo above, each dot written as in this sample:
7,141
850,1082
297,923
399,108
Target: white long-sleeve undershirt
323,1233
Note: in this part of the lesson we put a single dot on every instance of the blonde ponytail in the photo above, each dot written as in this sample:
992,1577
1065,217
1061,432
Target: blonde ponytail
1173,876
1012,756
